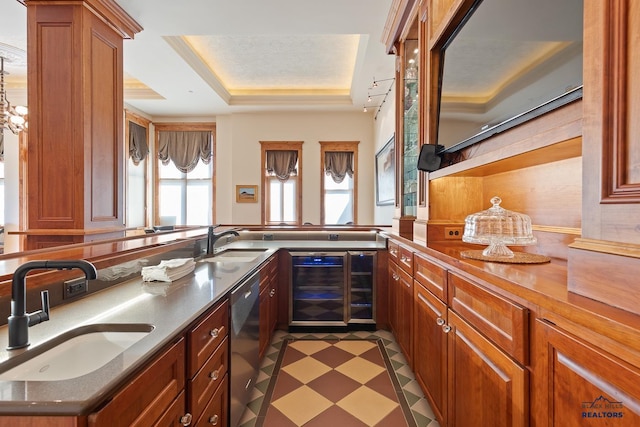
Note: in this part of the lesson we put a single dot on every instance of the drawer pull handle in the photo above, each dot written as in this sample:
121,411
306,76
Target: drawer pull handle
214,375
214,420
272,293
186,419
446,329
215,332
440,321
396,277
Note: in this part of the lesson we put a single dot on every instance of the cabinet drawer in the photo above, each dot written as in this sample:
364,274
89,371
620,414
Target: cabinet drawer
500,320
205,383
431,276
405,260
215,413
394,251
146,398
207,336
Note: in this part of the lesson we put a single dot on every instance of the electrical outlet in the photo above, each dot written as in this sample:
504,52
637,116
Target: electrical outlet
453,233
74,287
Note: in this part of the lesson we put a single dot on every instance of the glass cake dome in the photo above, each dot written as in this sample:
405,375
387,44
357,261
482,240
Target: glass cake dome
498,227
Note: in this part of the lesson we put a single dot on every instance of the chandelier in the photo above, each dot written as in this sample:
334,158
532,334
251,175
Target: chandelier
11,117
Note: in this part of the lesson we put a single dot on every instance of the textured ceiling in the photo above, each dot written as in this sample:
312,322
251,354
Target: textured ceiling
202,58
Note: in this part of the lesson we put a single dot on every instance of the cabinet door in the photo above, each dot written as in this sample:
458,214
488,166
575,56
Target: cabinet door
430,348
394,286
264,320
577,384
146,398
273,306
176,414
405,315
486,387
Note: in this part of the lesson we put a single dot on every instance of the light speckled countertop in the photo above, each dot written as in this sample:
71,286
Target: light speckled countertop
170,308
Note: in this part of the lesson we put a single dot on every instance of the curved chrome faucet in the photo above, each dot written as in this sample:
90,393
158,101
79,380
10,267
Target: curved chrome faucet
20,321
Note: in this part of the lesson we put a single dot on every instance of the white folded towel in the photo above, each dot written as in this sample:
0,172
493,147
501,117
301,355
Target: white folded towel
168,270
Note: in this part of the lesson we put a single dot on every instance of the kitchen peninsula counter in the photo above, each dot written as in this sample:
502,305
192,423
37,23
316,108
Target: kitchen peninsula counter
169,307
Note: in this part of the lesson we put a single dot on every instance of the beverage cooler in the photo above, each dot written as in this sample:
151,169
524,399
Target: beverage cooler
332,288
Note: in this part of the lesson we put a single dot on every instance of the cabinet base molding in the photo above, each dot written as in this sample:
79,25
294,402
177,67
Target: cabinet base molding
606,272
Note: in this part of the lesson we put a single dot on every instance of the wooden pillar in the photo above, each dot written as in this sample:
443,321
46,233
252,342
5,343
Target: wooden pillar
75,93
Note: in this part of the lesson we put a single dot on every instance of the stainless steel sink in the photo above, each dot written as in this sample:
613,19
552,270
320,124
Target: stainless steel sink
75,353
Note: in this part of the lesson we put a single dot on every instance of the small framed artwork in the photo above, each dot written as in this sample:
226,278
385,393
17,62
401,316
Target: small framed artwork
246,193
386,174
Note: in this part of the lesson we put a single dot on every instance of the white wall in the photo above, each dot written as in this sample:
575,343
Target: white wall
384,129
238,158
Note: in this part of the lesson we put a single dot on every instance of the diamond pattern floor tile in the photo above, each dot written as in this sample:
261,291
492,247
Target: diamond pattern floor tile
342,397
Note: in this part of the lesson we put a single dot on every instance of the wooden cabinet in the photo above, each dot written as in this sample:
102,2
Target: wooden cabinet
394,278
487,350
401,297
152,398
469,350
485,386
208,366
269,285
577,384
430,348
404,308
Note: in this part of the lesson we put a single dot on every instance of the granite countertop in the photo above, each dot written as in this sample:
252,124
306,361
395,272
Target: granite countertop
169,307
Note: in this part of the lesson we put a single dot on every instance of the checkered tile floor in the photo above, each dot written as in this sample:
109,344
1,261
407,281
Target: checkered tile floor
366,407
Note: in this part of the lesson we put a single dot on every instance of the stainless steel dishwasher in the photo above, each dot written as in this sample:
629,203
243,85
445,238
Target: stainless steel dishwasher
245,343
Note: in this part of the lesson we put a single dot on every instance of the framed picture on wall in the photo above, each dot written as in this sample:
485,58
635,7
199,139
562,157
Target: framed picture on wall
246,193
386,174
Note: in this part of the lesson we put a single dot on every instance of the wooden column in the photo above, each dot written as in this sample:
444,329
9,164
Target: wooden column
75,93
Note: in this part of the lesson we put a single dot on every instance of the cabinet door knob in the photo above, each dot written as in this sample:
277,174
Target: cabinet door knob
446,329
395,276
213,420
440,321
215,332
185,420
272,293
214,375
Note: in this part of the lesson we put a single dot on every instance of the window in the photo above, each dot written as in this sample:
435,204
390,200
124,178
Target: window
281,182
338,182
137,131
185,174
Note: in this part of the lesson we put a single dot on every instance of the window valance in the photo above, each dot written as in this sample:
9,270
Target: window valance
282,163
138,146
338,164
185,148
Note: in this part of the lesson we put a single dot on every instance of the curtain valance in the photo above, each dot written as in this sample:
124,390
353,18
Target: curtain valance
338,164
185,148
138,146
282,163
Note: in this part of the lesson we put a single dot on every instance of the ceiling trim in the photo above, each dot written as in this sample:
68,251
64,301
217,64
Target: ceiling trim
185,51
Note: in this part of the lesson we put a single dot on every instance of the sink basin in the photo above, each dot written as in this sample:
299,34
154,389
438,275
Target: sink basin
236,255
74,353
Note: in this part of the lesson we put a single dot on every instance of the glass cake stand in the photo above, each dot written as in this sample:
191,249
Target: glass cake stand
497,228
